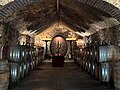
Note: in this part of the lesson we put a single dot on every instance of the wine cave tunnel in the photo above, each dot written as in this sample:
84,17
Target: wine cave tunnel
59,44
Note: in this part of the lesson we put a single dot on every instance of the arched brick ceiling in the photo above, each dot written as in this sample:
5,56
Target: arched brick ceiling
38,14
116,3
102,5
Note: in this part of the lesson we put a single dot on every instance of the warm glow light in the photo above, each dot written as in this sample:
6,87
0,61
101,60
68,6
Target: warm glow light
55,30
83,34
70,39
49,39
39,43
80,43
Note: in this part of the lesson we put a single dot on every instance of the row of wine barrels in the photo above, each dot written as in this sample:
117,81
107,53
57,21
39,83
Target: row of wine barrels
76,58
4,75
101,71
22,71
86,60
104,72
100,65
16,53
32,64
36,61
104,69
21,61
82,63
18,71
14,72
40,59
96,70
76,55
92,68
32,52
95,53
91,53
85,52
89,66
39,56
22,53
86,65
108,53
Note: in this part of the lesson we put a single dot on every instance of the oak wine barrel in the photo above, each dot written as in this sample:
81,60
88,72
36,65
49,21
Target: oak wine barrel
96,70
100,72
26,67
92,68
22,73
14,72
89,66
107,53
14,53
86,65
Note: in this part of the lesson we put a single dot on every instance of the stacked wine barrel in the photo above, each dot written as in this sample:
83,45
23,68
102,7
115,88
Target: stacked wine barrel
77,55
21,60
101,62
39,56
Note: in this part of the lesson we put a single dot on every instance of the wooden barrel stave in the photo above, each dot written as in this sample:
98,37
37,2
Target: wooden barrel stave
100,72
89,66
96,70
14,72
22,70
92,68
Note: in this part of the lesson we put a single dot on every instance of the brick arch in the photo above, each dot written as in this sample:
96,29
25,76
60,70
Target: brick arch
104,6
16,5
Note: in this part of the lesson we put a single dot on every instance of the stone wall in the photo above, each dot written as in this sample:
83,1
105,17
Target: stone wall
108,36
8,34
1,34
